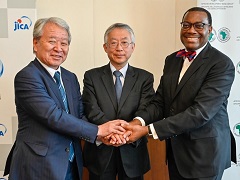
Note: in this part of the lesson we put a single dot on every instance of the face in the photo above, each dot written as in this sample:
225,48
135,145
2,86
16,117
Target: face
119,55
52,47
194,39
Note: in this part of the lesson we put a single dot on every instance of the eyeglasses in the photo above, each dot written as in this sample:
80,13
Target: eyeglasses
197,26
114,44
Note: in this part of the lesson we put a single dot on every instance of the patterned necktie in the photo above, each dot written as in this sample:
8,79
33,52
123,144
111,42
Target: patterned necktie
118,84
188,54
64,99
62,91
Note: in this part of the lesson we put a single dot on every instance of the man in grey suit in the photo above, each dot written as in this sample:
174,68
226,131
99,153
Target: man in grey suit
50,115
189,110
102,104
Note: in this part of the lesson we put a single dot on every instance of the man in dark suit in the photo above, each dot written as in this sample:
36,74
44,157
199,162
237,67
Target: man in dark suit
189,109
102,105
51,124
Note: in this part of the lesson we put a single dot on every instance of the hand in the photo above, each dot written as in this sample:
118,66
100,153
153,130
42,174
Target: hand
117,140
114,126
134,132
128,133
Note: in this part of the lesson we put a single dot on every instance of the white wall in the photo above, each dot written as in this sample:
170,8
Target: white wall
153,22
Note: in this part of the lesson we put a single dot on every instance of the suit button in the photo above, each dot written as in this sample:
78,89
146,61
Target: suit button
67,149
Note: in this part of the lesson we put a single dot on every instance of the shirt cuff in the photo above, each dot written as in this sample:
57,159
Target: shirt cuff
141,120
155,136
98,143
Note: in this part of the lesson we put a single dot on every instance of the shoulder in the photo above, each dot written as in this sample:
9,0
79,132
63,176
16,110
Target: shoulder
140,71
218,58
29,71
98,70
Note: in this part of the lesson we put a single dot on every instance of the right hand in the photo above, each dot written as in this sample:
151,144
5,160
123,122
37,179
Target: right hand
114,126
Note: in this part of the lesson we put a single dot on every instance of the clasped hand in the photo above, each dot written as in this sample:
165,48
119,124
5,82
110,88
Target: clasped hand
132,132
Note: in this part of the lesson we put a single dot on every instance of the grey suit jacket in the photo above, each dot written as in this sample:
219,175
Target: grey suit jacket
45,130
194,113
100,105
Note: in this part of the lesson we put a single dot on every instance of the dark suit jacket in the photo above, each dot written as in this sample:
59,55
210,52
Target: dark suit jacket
194,112
100,105
45,130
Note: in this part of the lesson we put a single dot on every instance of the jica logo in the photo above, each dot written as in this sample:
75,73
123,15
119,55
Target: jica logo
3,130
24,23
236,129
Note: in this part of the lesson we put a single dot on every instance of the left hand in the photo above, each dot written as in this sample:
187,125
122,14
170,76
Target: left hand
134,132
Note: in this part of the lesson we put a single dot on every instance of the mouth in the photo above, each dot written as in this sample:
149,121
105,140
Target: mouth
119,55
192,38
57,56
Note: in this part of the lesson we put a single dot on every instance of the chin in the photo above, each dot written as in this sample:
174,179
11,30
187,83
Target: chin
192,48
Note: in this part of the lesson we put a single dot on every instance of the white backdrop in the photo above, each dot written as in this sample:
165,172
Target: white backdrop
226,38
16,25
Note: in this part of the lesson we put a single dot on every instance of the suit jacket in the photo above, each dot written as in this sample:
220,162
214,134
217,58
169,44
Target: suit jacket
100,104
194,112
45,130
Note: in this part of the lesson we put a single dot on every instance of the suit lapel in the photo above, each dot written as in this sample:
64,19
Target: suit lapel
54,87
108,83
197,63
175,75
49,80
129,82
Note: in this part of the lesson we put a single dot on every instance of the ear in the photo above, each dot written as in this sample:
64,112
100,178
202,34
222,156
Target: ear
133,46
35,42
105,47
210,30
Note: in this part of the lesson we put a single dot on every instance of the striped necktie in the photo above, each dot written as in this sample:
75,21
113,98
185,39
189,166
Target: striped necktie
64,99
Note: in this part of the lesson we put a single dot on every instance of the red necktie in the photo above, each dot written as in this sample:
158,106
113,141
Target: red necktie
188,54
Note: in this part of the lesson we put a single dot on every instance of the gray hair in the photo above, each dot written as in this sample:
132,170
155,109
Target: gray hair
120,26
40,23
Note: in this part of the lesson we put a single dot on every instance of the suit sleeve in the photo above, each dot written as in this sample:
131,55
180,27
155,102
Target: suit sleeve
202,100
34,97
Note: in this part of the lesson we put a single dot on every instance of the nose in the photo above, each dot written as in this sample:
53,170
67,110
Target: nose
192,28
58,46
119,47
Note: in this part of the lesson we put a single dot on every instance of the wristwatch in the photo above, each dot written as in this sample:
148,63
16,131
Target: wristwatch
149,131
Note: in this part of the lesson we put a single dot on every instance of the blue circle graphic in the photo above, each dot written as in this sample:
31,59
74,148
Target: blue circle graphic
1,68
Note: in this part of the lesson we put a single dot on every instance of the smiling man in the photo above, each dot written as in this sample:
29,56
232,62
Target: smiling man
189,110
50,112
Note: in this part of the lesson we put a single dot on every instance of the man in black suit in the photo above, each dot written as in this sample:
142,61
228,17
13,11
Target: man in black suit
189,109
50,112
101,105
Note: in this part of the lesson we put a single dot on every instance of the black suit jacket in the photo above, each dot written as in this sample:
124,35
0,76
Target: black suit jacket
45,130
194,113
100,105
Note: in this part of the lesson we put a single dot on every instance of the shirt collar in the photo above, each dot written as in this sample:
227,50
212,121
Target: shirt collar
123,70
49,69
199,50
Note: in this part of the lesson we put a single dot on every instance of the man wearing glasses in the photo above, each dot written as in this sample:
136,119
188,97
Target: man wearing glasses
116,91
189,110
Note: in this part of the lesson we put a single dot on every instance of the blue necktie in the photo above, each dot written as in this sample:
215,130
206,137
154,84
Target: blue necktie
118,84
64,99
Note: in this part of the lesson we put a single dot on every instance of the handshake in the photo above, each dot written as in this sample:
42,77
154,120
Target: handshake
119,132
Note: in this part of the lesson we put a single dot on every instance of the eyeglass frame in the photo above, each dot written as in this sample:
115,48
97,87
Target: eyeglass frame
194,25
117,43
